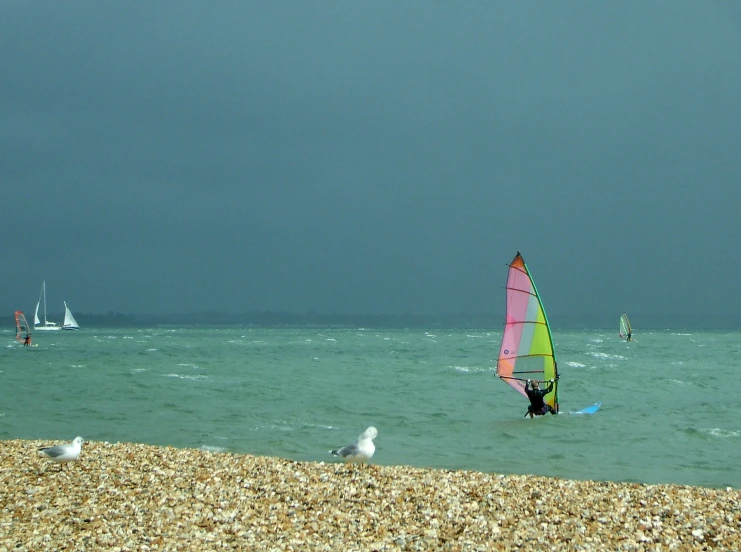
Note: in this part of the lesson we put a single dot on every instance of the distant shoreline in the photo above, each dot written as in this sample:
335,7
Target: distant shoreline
132,495
485,322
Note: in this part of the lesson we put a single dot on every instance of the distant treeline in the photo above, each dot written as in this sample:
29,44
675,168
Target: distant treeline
392,321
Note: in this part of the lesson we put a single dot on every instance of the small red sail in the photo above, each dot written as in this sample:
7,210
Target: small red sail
22,329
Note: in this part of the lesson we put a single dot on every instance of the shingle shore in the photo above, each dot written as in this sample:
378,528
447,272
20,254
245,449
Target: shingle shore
138,497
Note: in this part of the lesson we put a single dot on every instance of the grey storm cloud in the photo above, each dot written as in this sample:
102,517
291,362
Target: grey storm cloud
377,157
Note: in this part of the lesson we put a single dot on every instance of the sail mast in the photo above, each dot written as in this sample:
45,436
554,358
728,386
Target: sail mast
43,292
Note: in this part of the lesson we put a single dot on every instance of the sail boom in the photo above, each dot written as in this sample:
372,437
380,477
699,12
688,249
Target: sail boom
528,372
525,356
515,322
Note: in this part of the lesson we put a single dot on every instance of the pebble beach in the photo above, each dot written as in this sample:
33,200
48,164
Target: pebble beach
131,497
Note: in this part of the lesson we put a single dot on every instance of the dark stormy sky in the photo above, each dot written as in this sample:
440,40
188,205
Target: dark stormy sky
370,157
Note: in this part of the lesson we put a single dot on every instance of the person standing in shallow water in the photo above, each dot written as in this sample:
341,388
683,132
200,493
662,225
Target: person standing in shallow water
538,406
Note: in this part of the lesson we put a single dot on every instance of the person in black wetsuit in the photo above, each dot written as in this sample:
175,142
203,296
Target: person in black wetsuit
538,407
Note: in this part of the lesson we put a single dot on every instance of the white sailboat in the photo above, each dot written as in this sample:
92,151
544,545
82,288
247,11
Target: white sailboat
69,321
47,325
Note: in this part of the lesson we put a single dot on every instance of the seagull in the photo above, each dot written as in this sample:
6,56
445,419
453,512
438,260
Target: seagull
361,450
68,452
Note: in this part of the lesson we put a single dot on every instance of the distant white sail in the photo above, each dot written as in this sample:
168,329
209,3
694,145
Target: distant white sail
47,325
626,332
69,321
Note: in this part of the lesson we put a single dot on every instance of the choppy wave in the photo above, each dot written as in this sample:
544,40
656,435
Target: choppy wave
434,400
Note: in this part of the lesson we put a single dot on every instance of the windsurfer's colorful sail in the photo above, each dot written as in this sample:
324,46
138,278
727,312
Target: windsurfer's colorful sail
625,329
22,329
527,345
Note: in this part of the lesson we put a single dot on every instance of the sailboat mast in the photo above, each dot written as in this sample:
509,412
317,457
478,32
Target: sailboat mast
43,292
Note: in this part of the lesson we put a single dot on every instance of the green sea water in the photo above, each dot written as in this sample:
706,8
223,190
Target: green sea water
670,399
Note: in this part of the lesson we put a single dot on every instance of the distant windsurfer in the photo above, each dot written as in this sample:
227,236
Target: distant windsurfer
27,341
630,334
538,406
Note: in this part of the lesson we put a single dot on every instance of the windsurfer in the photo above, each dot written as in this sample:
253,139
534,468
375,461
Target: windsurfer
538,406
27,341
630,334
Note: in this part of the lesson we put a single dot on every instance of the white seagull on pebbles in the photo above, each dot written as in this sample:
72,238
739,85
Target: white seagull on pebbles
361,450
68,452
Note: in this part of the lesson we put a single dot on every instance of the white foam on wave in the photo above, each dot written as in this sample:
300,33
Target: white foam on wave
276,425
468,369
575,364
321,426
723,433
607,356
183,376
208,448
